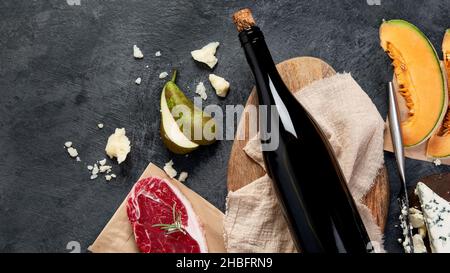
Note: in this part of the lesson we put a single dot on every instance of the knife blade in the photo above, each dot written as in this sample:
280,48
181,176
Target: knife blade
397,142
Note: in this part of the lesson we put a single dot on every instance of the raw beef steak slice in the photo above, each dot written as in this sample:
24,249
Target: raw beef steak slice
163,219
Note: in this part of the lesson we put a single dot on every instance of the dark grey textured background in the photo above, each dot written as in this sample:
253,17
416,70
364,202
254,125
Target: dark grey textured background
63,69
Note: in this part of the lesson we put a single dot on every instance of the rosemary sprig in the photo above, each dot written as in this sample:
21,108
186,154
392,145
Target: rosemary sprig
176,226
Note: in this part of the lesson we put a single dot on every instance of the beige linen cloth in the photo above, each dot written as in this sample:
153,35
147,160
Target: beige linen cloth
253,220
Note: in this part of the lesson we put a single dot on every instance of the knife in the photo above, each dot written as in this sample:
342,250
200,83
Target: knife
397,142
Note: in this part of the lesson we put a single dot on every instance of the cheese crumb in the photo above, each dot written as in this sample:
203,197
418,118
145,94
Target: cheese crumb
102,162
118,145
95,169
201,90
100,125
90,167
423,231
163,75
94,176
78,159
206,54
220,85
72,152
437,162
108,177
170,171
105,168
138,81
183,176
158,53
416,218
137,53
419,245
113,175
68,144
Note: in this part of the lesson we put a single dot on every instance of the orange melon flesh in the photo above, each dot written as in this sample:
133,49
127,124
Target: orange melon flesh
439,144
419,78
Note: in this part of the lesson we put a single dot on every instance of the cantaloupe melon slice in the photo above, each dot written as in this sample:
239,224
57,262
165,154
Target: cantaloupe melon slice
439,144
419,77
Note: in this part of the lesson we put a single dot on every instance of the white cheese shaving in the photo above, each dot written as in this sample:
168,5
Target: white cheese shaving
183,176
201,90
220,85
170,171
102,162
100,125
138,81
158,53
94,176
206,54
118,145
108,177
72,152
137,53
90,167
78,159
68,144
163,75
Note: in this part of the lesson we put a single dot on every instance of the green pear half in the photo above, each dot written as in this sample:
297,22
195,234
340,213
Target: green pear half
195,124
171,134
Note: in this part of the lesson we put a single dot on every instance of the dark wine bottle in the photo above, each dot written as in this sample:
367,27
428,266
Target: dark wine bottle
306,175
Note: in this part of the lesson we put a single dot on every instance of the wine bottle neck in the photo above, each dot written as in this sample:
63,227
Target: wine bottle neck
256,50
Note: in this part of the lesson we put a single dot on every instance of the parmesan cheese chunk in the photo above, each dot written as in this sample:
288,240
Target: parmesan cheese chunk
72,152
163,75
206,54
220,85
201,90
118,145
137,53
170,171
183,176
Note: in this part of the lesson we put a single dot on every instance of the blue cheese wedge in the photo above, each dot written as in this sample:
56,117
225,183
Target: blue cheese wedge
436,213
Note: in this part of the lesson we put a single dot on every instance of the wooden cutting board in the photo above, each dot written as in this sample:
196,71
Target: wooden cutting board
297,73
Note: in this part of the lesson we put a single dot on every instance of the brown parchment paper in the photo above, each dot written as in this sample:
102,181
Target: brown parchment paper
117,236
